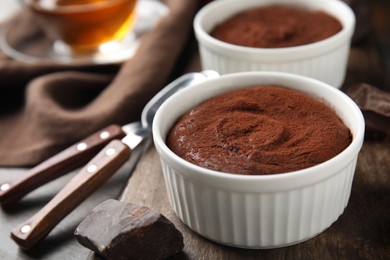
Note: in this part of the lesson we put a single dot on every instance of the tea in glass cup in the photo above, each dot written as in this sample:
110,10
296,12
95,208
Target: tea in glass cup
84,26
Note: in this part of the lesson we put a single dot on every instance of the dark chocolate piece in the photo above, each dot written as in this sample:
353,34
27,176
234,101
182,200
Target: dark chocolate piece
375,105
119,230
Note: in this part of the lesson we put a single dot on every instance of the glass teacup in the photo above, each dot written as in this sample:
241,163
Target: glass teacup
79,27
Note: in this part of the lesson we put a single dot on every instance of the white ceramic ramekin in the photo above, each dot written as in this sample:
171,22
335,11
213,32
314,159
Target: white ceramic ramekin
325,60
263,211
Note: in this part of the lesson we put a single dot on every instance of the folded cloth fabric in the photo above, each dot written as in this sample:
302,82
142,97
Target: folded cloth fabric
46,107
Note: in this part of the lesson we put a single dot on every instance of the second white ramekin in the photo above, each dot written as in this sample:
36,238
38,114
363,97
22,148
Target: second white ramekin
325,60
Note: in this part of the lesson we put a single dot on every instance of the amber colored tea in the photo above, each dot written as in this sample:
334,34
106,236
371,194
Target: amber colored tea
83,25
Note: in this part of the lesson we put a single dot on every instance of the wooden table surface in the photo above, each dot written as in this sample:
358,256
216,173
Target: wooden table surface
361,232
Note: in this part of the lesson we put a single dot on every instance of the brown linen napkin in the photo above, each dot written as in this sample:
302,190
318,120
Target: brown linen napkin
47,107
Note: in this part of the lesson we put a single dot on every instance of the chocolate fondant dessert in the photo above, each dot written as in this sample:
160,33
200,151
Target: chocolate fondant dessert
259,130
277,26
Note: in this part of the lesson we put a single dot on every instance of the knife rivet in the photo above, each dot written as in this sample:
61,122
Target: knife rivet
110,151
25,229
81,146
104,135
92,168
4,186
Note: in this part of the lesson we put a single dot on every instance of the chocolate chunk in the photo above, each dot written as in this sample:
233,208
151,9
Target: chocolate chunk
375,105
119,230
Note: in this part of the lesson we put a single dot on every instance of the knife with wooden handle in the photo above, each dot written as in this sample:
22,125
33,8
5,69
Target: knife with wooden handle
90,178
58,165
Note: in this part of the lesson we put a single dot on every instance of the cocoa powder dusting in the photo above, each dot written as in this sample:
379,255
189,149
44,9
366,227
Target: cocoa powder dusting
259,130
277,26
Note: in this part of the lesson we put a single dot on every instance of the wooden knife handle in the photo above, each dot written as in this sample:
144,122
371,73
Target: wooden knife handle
65,161
89,179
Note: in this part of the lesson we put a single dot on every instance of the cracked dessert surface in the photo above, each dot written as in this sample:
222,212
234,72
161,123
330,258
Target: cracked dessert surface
259,130
277,26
